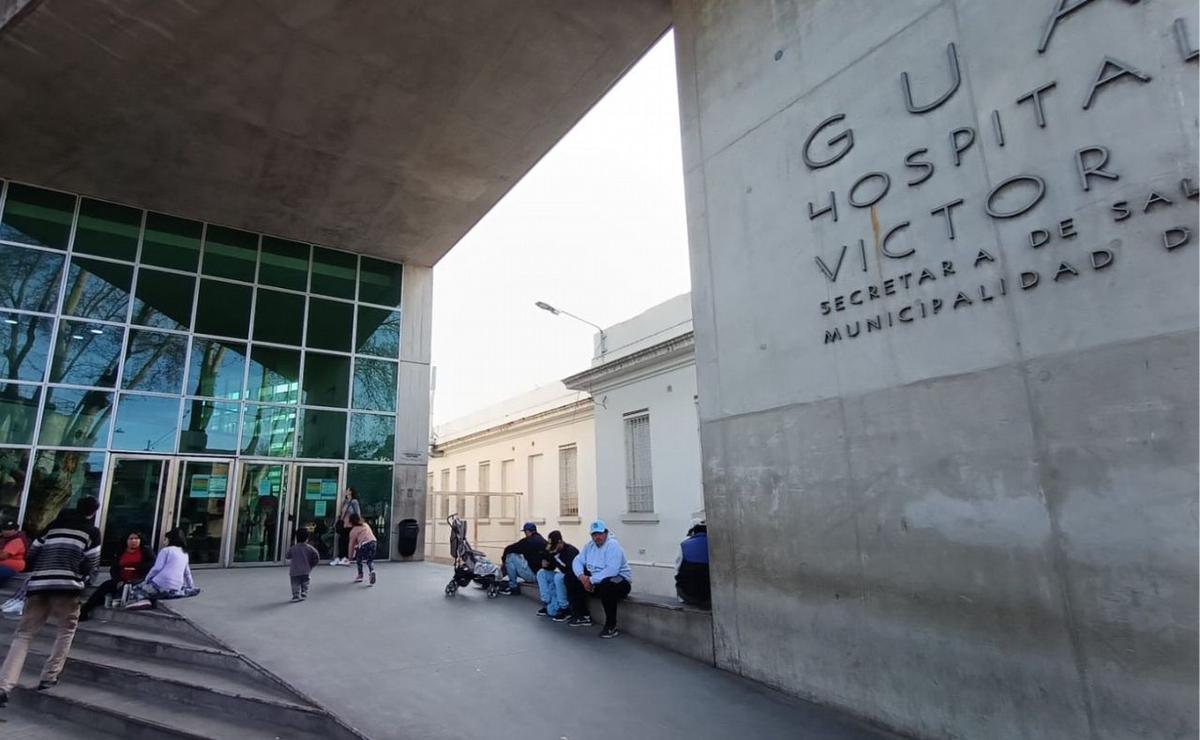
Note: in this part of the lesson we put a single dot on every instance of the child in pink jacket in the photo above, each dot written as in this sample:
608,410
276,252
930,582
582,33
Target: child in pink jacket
362,547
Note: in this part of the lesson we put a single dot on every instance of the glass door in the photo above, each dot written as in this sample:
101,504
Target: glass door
262,531
138,493
200,507
315,504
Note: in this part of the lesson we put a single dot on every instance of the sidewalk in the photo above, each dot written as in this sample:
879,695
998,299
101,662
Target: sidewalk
401,660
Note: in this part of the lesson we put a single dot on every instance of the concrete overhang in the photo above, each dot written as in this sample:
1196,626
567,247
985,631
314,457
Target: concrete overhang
385,127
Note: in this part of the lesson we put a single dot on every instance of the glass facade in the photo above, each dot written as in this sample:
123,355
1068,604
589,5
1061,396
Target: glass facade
135,342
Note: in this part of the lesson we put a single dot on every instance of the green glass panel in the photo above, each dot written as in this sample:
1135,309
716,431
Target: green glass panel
330,324
133,496
269,431
223,309
76,417
97,289
323,434
326,379
316,512
372,437
279,317
200,507
58,480
38,217
374,486
172,242
209,426
230,253
154,362
86,354
374,385
146,423
14,466
18,412
262,496
379,282
378,332
108,230
333,272
29,278
274,375
24,346
284,264
163,299
216,369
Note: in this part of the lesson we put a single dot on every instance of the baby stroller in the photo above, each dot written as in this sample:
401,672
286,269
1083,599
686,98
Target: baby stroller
469,563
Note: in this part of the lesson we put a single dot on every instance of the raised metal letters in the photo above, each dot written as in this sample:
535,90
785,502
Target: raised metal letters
1085,170
1036,96
955,81
1186,50
1103,77
1041,192
883,246
945,209
886,185
847,136
1062,10
958,147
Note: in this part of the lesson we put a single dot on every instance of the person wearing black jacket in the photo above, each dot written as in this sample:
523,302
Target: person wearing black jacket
129,566
523,559
562,599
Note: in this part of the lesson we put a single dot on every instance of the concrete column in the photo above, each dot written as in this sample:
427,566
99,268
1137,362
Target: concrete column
412,419
944,261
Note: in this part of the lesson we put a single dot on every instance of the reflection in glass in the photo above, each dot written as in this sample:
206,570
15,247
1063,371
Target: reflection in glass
316,505
29,278
13,467
38,217
216,368
154,362
209,426
58,480
274,375
76,417
372,437
379,282
374,385
163,299
132,504
223,309
323,434
378,332
200,508
18,412
97,289
269,431
146,423
230,253
326,379
107,230
284,264
329,324
171,242
86,354
279,317
260,512
24,346
374,486
333,273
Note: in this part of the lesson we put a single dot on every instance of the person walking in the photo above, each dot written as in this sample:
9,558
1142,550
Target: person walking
350,507
362,547
302,558
60,563
129,568
603,570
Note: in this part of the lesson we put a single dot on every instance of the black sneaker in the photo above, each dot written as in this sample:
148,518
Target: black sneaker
511,591
542,612
3,699
609,633
581,622
42,686
562,616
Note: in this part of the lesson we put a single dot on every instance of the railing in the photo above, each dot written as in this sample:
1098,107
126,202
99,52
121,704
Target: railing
489,534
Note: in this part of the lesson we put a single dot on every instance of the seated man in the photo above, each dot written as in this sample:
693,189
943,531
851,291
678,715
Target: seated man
562,600
603,570
523,559
691,580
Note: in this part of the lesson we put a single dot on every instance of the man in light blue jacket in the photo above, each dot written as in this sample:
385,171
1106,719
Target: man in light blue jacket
603,570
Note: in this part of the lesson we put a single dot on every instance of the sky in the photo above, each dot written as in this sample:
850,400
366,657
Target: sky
597,228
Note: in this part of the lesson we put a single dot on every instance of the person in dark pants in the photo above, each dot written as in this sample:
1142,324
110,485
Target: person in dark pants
560,605
691,579
302,558
129,567
350,508
604,572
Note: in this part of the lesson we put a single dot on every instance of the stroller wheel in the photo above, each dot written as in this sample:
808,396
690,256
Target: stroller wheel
451,588
493,591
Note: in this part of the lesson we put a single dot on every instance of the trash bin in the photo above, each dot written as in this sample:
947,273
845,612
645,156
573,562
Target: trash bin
406,537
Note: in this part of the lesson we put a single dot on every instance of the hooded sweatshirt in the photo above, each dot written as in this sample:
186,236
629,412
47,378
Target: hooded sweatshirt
602,563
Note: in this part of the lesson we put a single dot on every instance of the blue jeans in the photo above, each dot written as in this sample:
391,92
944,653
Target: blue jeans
5,574
552,585
517,567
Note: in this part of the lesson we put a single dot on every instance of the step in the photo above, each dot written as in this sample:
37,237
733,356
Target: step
153,620
129,640
21,722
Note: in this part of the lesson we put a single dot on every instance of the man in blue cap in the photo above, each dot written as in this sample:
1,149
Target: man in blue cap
523,558
603,570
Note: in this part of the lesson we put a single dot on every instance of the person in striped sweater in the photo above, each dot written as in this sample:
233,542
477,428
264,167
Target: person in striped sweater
60,563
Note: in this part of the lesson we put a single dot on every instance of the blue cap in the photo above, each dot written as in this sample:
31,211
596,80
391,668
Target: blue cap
529,527
599,527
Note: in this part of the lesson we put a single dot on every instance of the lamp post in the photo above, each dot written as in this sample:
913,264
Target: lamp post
558,311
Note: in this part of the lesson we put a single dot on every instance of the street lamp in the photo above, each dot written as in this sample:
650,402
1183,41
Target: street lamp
558,311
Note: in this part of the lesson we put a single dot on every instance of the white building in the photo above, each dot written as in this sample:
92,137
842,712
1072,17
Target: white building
648,476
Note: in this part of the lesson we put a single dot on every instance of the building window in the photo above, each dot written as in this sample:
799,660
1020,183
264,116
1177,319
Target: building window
484,503
460,485
533,470
568,481
445,487
509,508
639,490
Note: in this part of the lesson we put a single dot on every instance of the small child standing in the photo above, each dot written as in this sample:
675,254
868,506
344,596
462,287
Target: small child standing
362,547
302,558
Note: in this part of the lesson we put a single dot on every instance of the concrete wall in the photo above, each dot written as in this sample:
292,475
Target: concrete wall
412,426
981,520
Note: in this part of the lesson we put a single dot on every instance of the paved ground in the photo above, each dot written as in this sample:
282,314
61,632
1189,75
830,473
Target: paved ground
22,724
403,661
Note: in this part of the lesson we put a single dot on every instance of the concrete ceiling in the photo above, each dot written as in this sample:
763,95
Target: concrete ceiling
387,127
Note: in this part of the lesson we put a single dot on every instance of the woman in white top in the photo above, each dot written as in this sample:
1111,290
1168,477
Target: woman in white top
171,576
